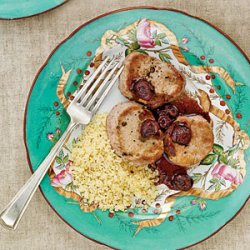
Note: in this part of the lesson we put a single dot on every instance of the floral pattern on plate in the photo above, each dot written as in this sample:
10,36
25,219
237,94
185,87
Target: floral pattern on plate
220,172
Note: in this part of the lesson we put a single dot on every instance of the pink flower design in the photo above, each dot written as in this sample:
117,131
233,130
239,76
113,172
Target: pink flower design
50,136
227,172
186,49
62,179
143,34
203,205
184,40
193,202
69,164
58,131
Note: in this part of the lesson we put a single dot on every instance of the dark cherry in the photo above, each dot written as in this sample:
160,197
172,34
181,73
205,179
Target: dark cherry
149,128
142,89
164,121
166,115
174,176
166,167
171,110
182,182
181,134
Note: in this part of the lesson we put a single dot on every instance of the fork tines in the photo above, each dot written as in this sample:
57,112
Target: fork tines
96,88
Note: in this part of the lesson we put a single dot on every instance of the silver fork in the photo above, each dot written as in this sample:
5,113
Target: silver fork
81,110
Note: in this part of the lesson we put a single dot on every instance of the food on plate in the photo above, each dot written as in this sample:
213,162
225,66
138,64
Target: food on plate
150,81
175,177
103,178
165,115
188,105
134,133
188,140
121,157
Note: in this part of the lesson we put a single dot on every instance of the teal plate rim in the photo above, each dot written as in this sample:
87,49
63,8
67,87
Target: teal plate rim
32,15
68,37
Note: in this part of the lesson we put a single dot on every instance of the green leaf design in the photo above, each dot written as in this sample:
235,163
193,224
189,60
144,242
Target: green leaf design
69,186
218,149
167,56
122,41
158,42
58,160
161,57
233,150
61,154
65,159
164,57
142,51
61,166
210,188
154,34
161,35
56,137
223,182
233,162
134,46
223,159
73,141
128,51
217,186
214,181
132,35
209,159
196,218
107,41
196,177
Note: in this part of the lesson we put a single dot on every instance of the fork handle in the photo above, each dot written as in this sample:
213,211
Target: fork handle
13,212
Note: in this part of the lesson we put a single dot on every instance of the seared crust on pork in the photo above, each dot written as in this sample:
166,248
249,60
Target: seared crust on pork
123,127
166,81
200,145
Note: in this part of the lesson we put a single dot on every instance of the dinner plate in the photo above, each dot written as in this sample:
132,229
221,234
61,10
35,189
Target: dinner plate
216,71
15,9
